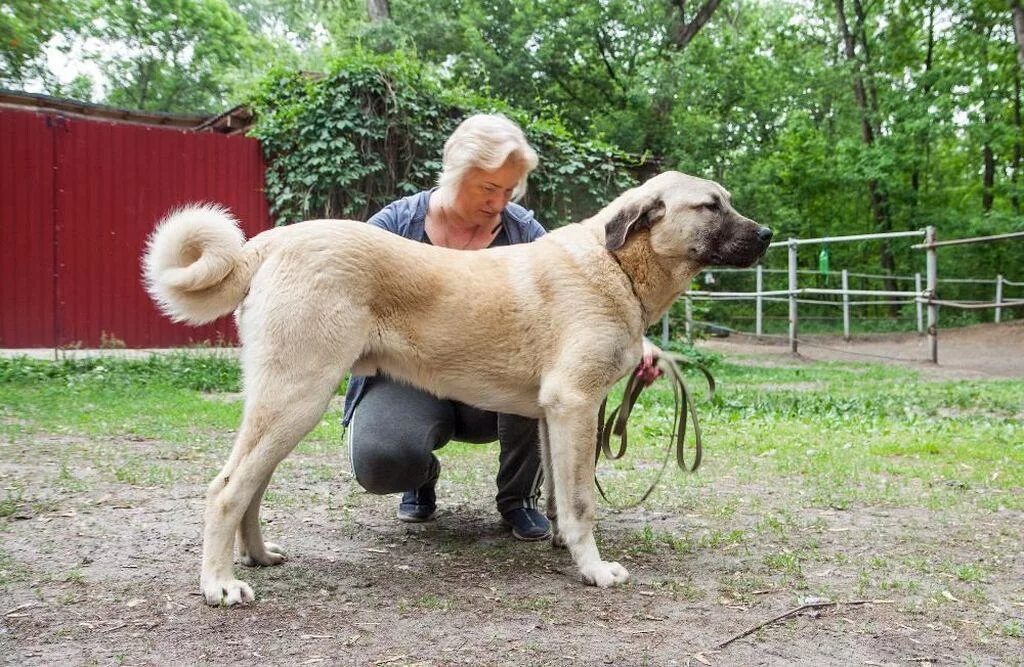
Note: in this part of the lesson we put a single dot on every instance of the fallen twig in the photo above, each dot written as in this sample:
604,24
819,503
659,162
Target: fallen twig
786,614
19,608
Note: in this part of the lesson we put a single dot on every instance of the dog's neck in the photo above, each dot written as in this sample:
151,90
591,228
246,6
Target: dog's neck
656,283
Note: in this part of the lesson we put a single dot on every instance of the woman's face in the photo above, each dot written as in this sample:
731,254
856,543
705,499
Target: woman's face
482,195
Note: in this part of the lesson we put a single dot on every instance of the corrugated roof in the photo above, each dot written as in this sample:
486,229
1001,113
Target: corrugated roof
18,99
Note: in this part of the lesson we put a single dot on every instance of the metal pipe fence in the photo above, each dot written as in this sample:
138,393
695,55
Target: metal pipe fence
924,295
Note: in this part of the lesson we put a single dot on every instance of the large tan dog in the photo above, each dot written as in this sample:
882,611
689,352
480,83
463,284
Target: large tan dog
542,330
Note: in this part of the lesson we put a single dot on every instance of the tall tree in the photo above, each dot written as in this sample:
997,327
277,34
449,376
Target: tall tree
866,98
170,55
25,28
987,68
599,66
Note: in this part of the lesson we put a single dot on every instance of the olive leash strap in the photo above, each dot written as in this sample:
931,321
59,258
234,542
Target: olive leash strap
616,423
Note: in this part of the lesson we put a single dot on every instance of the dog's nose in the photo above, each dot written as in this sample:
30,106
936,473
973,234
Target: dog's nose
765,234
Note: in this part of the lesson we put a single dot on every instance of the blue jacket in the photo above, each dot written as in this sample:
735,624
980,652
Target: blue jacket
406,217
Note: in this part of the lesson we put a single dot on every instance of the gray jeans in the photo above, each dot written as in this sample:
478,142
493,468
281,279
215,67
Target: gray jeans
395,429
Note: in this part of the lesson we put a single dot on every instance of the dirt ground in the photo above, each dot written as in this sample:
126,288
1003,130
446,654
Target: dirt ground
979,351
100,572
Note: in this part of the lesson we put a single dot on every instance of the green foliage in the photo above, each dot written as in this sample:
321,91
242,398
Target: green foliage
199,372
25,28
762,100
694,355
344,144
372,127
169,55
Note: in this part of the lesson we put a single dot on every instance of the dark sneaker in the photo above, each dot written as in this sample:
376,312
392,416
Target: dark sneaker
419,505
527,524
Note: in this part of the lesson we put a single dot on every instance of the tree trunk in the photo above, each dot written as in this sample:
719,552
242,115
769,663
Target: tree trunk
877,196
1018,28
378,10
1018,146
685,31
915,176
869,79
988,176
867,134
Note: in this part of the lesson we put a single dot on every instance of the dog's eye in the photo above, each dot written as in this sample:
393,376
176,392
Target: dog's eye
709,206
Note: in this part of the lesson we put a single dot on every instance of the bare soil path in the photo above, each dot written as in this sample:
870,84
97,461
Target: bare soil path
975,352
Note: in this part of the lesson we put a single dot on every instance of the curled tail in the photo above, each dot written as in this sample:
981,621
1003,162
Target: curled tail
194,268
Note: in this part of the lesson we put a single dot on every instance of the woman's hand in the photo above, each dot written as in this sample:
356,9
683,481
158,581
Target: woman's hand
648,371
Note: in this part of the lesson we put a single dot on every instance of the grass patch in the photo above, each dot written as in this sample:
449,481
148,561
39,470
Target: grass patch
67,480
864,434
12,500
163,398
970,573
10,570
1013,628
680,590
539,603
848,434
423,602
845,442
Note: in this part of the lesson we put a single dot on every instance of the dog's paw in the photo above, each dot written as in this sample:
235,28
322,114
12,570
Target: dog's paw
604,574
557,540
272,555
227,592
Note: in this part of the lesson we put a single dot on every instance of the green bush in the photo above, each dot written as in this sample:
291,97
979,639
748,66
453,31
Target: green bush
371,128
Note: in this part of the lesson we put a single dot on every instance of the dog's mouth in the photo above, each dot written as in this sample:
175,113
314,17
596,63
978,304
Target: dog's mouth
743,252
739,254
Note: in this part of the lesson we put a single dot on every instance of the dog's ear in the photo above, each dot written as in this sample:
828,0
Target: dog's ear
631,217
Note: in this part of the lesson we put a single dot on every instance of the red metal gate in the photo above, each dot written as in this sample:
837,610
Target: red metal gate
27,280
78,199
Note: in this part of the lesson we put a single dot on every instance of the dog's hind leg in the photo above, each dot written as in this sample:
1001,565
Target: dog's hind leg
572,428
286,395
551,507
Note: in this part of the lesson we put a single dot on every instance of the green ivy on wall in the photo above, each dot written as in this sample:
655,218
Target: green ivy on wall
371,128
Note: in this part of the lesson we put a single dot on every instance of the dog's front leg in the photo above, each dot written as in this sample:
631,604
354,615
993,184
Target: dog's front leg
571,431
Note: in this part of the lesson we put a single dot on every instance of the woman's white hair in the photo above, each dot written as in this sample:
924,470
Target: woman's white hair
486,141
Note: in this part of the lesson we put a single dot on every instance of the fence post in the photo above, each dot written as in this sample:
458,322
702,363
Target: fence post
792,296
932,266
664,330
920,305
999,298
688,304
759,300
846,305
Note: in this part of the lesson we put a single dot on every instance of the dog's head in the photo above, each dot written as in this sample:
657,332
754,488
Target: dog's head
690,219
